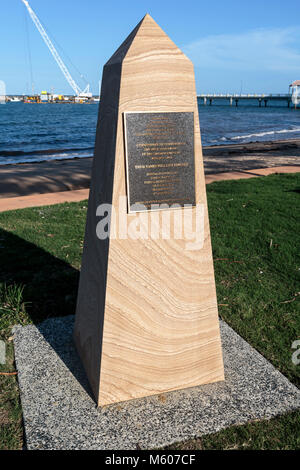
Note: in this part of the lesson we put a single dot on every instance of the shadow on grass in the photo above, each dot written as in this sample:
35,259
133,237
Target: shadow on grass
50,290
50,283
297,190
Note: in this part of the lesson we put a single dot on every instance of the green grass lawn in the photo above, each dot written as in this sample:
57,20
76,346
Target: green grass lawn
255,236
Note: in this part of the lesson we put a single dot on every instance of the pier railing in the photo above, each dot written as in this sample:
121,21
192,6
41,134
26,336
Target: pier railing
248,95
208,98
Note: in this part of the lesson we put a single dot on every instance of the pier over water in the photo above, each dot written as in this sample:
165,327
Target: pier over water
234,99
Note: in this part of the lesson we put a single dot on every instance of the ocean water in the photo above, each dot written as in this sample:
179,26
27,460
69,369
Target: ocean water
38,132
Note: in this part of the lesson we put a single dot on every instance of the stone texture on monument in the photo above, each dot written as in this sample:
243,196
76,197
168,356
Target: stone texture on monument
146,318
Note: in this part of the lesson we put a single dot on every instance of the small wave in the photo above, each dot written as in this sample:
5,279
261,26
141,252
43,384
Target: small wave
21,153
262,134
42,158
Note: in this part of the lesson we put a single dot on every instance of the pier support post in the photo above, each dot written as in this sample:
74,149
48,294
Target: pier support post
236,102
210,101
230,101
205,100
259,102
266,101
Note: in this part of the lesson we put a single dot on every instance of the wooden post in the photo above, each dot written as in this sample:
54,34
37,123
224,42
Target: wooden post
146,319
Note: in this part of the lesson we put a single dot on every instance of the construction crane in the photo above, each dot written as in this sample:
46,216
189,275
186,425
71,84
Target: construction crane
78,92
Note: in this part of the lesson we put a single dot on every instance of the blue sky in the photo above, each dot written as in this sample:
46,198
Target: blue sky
249,45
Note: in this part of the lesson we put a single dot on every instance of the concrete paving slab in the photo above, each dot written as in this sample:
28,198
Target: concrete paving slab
59,412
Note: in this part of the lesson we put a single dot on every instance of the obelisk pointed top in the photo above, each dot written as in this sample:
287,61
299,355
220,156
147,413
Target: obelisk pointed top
149,33
120,53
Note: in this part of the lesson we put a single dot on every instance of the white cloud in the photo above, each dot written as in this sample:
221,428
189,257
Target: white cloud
261,49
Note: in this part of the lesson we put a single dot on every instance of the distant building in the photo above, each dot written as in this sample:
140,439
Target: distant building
295,86
295,92
44,96
57,97
2,92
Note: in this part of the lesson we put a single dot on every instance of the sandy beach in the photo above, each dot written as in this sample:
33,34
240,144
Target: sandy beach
239,157
26,179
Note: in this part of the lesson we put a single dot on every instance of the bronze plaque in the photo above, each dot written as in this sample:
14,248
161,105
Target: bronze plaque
159,159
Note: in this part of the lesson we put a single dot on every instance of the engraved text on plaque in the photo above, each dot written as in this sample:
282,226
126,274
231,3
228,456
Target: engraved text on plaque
159,159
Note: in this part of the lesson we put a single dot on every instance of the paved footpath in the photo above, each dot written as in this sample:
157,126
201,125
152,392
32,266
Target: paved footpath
45,199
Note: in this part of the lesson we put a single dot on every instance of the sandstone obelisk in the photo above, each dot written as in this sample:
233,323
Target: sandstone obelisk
146,319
